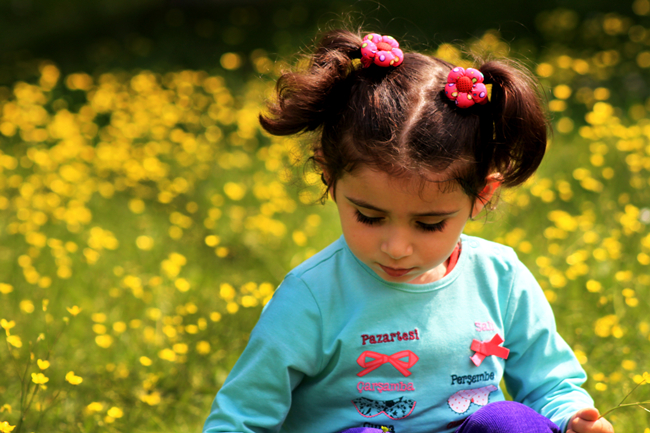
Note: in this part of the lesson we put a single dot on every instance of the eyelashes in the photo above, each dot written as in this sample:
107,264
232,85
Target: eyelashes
365,219
437,227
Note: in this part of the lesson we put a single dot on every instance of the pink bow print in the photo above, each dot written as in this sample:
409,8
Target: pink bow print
460,401
378,359
487,348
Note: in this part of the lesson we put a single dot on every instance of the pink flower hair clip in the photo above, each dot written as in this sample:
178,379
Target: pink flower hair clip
465,86
380,50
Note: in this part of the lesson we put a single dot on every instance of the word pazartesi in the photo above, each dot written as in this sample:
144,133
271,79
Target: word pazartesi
389,338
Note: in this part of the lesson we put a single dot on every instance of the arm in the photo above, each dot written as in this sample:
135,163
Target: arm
541,372
284,347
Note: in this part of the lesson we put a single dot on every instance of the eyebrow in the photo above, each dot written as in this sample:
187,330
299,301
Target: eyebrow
365,205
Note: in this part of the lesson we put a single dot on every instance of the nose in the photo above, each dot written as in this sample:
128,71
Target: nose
397,245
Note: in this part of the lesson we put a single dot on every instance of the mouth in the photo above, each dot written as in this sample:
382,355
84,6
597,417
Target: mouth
395,272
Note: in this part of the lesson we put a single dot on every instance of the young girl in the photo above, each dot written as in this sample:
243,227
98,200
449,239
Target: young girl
404,324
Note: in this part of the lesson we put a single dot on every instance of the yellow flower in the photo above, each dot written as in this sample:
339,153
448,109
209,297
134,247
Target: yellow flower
5,407
178,259
227,291
115,412
72,379
235,191
136,205
594,286
6,428
104,341
180,348
95,407
212,240
232,307
582,356
5,289
7,325
203,347
39,378
26,306
74,310
15,341
182,284
43,365
628,364
144,242
606,326
151,399
167,355
99,317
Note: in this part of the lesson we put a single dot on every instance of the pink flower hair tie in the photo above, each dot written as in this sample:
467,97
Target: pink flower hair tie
465,86
380,50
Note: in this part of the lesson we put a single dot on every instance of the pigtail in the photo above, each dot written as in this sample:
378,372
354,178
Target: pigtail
397,119
308,99
516,125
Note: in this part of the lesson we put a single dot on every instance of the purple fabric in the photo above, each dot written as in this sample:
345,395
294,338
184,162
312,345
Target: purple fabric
363,430
507,417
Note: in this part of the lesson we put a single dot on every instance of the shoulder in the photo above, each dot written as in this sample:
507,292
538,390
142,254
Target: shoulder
498,267
297,295
304,279
322,263
498,270
490,253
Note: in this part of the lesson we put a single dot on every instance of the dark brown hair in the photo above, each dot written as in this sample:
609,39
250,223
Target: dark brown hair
398,119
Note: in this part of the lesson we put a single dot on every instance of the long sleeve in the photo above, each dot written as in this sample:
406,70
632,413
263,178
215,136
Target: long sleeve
541,371
283,348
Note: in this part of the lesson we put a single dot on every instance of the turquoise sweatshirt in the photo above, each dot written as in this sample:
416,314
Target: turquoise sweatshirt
339,347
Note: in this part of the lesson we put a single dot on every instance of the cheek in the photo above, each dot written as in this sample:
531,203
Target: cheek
441,245
360,238
349,225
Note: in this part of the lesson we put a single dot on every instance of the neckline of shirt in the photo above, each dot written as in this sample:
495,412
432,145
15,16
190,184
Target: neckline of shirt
416,288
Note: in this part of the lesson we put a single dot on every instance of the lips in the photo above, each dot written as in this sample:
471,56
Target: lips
393,272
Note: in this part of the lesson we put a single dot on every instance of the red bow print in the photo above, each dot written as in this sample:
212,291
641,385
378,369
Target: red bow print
487,348
379,359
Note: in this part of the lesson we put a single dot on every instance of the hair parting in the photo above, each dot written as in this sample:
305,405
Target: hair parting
398,119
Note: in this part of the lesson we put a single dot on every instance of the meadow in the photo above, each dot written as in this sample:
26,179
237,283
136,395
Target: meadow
145,219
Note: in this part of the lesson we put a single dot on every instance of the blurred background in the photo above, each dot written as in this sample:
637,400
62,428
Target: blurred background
145,219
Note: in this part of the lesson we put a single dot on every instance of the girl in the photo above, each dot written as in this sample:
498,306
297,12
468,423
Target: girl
404,324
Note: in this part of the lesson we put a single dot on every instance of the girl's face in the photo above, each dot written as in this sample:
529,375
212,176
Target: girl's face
403,234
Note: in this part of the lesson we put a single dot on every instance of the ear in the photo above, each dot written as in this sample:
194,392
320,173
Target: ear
492,183
331,191
325,175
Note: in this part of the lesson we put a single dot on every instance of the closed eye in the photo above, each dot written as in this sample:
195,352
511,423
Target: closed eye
364,219
437,227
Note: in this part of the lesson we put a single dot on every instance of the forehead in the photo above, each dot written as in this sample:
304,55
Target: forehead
378,187
428,182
